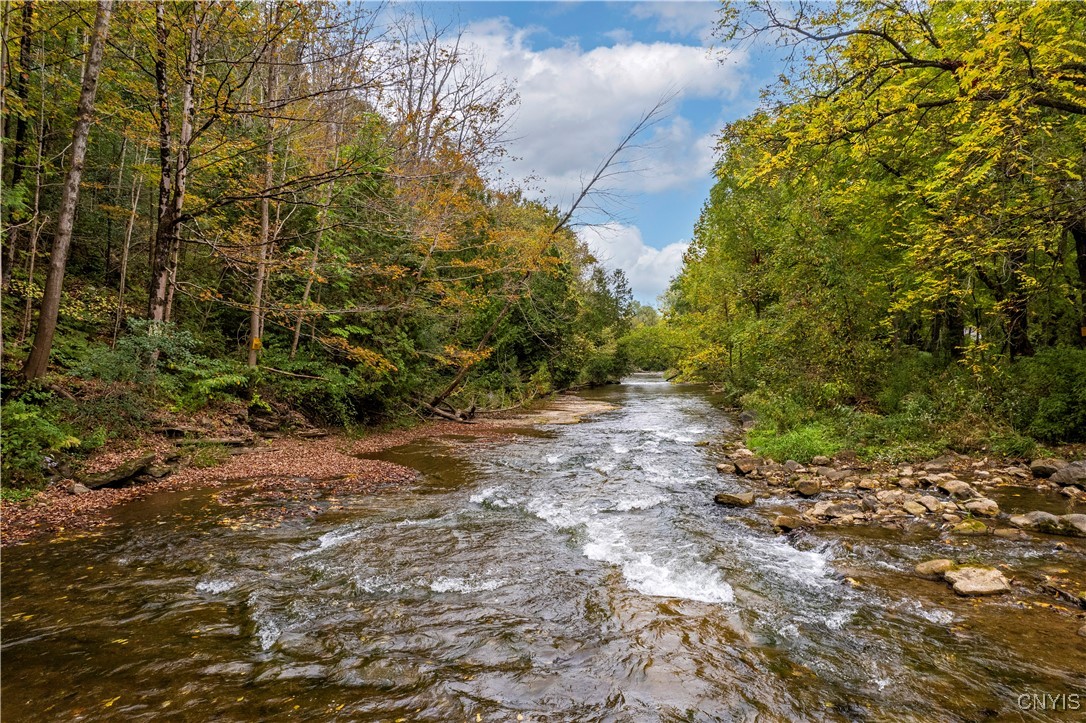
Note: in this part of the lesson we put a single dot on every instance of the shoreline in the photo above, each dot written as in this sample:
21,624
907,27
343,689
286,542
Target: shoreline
324,460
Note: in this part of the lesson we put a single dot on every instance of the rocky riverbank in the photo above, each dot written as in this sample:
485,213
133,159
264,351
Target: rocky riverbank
959,502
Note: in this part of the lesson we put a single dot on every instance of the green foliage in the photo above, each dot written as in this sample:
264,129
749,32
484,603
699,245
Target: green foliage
1047,395
801,443
27,435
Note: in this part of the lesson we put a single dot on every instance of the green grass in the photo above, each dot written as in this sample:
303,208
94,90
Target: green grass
801,444
210,455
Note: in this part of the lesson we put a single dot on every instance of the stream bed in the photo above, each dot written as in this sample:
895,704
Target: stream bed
574,573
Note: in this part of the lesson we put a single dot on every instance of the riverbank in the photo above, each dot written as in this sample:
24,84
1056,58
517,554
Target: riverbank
277,468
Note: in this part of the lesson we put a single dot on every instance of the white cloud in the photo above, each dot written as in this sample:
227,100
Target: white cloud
680,18
576,104
620,246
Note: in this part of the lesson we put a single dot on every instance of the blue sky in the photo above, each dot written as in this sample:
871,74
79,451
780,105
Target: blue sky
585,71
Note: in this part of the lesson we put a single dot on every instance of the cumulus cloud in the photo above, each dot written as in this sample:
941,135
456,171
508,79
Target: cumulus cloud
576,104
680,18
620,246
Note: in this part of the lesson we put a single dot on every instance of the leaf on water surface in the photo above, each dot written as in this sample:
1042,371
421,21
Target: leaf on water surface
109,703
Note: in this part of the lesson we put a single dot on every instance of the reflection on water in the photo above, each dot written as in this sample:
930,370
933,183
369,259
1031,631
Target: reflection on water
579,574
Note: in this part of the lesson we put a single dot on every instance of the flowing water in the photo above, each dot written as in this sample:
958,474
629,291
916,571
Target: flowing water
577,573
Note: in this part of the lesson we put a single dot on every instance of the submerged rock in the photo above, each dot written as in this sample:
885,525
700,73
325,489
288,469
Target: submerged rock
974,581
970,527
735,499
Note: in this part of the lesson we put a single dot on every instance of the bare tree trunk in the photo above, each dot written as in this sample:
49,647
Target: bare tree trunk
50,305
35,231
256,315
137,188
168,237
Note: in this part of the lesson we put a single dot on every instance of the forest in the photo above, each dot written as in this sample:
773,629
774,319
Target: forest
893,258
274,208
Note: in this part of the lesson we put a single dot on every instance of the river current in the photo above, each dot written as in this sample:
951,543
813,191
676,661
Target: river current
576,573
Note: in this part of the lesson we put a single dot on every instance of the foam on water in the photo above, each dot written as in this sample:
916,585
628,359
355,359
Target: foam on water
493,497
638,503
215,586
688,579
463,585
327,540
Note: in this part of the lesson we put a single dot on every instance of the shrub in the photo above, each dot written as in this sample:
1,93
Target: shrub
27,434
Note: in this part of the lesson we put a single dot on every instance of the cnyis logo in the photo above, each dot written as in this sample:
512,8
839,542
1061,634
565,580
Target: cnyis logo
1050,701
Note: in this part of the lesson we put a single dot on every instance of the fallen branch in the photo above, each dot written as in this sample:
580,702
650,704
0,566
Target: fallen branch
446,415
291,374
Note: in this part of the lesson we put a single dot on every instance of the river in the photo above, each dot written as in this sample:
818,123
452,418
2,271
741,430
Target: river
575,573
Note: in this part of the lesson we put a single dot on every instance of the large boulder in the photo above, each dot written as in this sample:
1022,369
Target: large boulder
1073,525
973,581
1072,474
1046,467
735,499
118,475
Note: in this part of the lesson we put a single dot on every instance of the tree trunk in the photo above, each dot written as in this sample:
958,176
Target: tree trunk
19,142
256,316
137,188
1016,310
168,236
50,305
1078,233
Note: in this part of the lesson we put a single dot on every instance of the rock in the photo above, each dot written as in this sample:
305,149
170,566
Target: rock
933,569
956,488
970,527
1073,525
742,452
737,499
974,581
1046,467
77,489
746,465
1082,631
868,483
792,466
820,460
158,471
914,508
830,473
932,504
905,472
842,509
951,519
982,507
808,487
906,483
870,504
120,473
1072,474
888,497
787,523
725,468
1037,521
1010,534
